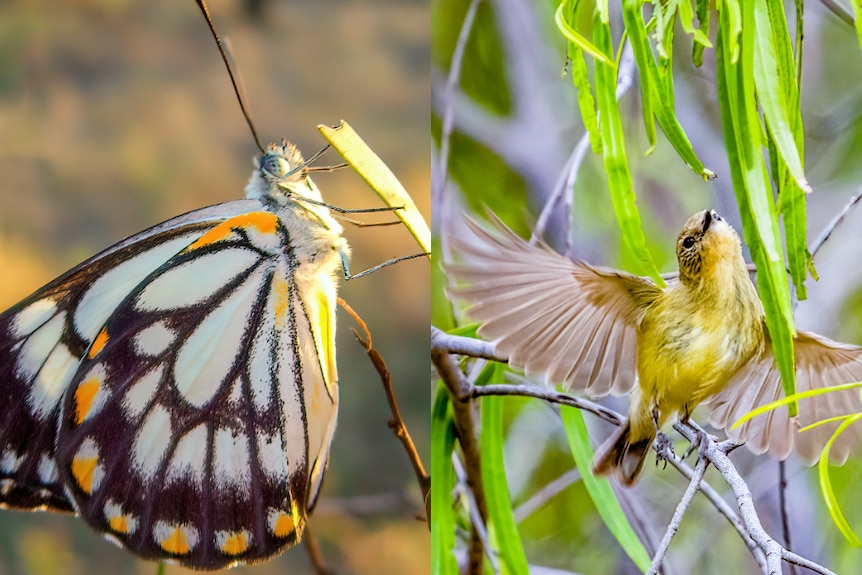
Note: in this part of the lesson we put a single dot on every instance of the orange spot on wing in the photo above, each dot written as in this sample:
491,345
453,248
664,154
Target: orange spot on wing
284,525
119,523
98,343
235,544
264,222
281,299
84,396
82,470
176,542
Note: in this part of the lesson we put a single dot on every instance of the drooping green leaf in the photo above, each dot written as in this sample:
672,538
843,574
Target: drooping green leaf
502,529
616,161
826,485
744,140
443,473
600,490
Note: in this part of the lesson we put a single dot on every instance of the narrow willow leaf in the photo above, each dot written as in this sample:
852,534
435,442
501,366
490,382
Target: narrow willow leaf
857,13
502,529
380,178
576,38
743,141
826,485
661,94
586,102
616,163
443,524
787,400
600,490
639,42
772,93
702,8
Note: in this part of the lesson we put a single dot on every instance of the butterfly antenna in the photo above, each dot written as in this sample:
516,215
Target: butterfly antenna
233,77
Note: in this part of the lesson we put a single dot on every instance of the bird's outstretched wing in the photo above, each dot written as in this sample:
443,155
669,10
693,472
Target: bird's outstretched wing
567,321
820,362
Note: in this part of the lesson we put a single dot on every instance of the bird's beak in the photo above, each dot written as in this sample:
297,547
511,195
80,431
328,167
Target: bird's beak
707,219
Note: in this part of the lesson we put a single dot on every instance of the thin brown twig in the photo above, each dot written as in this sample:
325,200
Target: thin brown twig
314,555
396,423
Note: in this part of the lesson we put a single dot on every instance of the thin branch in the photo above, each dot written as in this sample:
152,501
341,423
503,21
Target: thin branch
545,494
479,531
396,423
675,521
836,221
839,11
782,505
449,95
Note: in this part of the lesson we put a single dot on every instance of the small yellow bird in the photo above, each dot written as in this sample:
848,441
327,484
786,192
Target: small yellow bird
701,339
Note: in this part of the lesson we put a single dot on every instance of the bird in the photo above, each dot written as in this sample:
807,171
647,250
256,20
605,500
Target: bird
702,339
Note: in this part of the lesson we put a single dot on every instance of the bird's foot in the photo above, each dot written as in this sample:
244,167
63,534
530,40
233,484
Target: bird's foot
663,449
700,443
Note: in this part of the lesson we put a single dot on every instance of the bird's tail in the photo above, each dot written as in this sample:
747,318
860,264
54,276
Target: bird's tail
623,455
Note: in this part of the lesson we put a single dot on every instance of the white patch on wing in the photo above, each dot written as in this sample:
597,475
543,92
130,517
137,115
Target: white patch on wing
10,460
260,368
208,354
52,380
35,350
33,316
47,469
189,460
155,339
271,456
151,442
106,293
195,281
231,461
141,392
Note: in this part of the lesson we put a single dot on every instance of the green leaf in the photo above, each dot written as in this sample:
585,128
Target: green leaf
660,88
826,484
577,39
502,529
443,474
772,92
586,102
616,162
600,490
743,140
702,8
787,400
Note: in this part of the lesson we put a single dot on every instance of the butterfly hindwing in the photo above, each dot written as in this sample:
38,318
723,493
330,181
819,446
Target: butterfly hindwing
197,425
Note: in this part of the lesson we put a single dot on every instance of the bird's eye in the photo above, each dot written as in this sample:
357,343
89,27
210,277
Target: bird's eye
688,242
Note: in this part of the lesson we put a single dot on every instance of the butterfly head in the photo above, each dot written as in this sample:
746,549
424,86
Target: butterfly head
280,173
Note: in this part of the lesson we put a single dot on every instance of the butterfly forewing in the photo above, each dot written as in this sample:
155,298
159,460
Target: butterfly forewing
42,340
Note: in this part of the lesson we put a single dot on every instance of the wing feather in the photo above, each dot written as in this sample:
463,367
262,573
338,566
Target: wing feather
820,362
571,322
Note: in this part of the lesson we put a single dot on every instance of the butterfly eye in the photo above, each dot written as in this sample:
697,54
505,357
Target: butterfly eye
688,242
274,165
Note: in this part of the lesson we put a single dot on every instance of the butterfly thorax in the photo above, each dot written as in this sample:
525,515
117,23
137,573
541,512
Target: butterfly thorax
281,181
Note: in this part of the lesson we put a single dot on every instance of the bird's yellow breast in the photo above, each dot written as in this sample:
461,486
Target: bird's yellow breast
690,343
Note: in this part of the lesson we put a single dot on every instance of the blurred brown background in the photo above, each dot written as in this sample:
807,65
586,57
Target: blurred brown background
116,115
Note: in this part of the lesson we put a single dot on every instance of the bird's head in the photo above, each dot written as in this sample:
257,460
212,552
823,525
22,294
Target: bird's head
707,247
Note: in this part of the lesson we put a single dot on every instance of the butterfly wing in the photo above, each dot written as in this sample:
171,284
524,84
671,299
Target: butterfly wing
198,424
43,338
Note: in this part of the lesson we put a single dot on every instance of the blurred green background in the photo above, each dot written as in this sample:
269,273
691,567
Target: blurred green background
117,115
516,122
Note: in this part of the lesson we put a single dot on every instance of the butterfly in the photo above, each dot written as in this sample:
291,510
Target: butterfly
178,390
